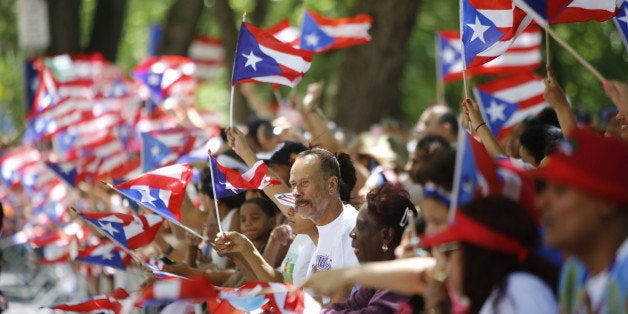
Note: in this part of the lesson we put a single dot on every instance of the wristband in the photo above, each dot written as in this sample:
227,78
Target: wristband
477,127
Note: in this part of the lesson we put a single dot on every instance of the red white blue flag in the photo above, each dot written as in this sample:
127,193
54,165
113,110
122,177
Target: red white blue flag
104,254
320,33
506,102
103,304
260,57
489,28
167,290
523,55
285,32
621,21
161,190
568,11
209,57
163,147
228,182
474,173
130,231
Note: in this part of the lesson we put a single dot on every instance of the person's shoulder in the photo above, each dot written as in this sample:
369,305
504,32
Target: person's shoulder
530,294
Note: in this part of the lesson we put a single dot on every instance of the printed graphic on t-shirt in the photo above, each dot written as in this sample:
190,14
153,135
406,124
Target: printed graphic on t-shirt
323,263
288,268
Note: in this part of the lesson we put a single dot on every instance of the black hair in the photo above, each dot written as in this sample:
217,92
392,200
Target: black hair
268,207
438,168
485,271
450,117
348,178
540,140
548,116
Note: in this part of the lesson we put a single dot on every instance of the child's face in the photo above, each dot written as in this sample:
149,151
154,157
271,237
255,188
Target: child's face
254,223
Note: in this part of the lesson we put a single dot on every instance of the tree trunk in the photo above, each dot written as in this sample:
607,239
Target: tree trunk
229,36
64,26
107,28
180,27
258,16
370,75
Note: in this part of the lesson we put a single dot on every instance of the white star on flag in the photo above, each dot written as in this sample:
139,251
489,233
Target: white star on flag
66,168
449,56
154,151
478,30
496,111
251,60
312,40
229,186
467,185
108,227
145,191
107,256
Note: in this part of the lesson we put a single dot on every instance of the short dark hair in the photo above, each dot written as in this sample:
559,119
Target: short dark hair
540,140
438,168
329,164
449,117
348,178
269,208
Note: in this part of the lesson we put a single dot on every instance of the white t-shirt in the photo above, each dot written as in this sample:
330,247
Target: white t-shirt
525,293
334,244
295,265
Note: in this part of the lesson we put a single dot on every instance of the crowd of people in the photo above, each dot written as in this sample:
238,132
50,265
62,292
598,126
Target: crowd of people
372,229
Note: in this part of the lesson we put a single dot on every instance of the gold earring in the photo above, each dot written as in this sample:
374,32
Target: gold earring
385,247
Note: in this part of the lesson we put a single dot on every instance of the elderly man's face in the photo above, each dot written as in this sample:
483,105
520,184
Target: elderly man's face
310,189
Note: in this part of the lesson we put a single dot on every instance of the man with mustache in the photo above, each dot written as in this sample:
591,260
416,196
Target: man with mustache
315,183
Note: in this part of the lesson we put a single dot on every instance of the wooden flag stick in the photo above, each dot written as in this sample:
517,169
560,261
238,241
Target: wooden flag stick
211,170
547,49
174,221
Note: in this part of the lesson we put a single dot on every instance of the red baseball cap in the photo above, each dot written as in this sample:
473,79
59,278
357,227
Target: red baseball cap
468,230
596,165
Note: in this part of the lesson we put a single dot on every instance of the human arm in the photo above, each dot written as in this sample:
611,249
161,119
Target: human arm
555,96
235,244
618,93
238,143
406,276
278,245
314,119
479,127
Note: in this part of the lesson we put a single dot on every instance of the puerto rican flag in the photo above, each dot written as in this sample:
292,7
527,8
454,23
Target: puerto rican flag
14,162
621,21
474,173
209,57
489,28
102,304
197,288
523,55
517,184
285,32
260,57
161,190
320,33
228,182
130,231
104,254
163,147
507,101
568,11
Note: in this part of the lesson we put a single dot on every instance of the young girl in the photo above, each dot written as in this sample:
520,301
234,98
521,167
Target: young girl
257,220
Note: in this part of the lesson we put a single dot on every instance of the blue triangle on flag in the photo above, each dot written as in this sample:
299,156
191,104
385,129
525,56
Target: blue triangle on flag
151,199
312,37
250,61
112,260
65,171
153,152
476,41
447,51
221,184
468,173
498,111
112,229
